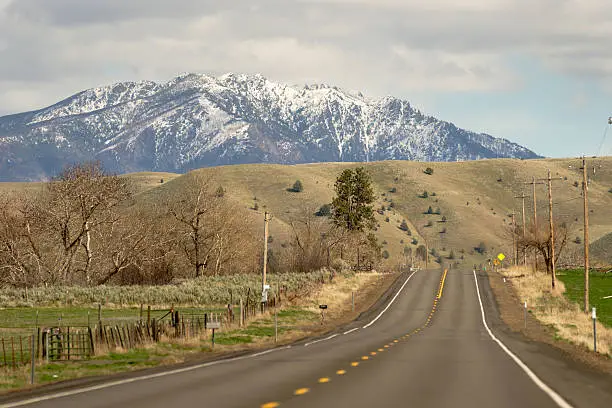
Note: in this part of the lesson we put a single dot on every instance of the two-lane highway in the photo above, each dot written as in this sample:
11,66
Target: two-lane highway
428,346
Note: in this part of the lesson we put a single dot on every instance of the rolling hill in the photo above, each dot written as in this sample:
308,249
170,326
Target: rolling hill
474,196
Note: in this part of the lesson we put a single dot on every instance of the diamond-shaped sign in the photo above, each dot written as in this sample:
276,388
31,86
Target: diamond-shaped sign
501,256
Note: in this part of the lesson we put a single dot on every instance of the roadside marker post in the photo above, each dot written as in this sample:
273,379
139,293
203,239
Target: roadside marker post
275,326
33,357
525,315
594,330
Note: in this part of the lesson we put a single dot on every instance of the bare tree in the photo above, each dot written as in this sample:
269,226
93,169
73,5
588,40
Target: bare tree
210,231
542,242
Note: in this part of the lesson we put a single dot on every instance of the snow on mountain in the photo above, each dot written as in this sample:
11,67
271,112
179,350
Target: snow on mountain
199,120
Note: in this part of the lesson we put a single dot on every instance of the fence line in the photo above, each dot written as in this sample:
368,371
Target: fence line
67,342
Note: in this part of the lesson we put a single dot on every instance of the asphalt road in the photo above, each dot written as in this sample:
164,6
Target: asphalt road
425,346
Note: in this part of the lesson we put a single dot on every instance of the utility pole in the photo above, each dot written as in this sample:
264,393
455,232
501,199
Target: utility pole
523,197
426,255
549,180
535,221
514,246
585,189
265,254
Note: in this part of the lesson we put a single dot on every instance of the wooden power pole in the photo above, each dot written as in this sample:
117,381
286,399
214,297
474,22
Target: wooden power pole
551,237
535,221
514,246
523,197
265,254
585,189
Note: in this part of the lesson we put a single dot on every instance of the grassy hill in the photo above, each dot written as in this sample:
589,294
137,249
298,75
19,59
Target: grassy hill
475,197
601,250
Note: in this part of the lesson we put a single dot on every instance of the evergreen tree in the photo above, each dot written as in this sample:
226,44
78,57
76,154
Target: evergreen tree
352,206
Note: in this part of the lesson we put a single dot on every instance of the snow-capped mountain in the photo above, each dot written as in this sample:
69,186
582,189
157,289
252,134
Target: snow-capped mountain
199,120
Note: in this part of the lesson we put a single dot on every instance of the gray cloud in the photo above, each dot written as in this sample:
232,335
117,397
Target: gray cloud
50,48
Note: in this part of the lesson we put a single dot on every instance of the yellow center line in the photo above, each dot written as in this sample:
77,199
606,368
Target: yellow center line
381,349
354,364
442,284
365,358
301,391
323,380
270,405
341,372
373,353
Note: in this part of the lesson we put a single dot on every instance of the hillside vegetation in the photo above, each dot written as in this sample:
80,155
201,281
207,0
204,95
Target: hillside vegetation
475,198
470,201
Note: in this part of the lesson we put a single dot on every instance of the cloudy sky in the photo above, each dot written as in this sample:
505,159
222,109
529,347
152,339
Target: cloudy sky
538,72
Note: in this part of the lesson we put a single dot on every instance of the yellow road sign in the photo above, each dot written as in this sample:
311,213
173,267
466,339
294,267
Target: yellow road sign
496,262
501,256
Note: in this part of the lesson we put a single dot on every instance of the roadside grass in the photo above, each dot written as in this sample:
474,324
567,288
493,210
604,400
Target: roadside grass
295,321
555,310
600,287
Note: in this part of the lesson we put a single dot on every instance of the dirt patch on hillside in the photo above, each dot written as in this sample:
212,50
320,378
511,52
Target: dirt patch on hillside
512,313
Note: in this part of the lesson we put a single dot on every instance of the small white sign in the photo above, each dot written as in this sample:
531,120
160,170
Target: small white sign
594,314
213,325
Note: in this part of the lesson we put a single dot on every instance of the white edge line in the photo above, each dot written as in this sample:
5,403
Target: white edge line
549,391
350,331
390,303
317,341
134,379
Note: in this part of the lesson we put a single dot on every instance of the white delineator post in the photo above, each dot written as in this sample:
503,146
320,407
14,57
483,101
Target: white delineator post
594,330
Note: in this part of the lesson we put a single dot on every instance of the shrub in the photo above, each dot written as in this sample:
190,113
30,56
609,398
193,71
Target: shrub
610,190
255,206
444,218
429,210
404,226
575,184
429,171
391,205
270,239
401,241
384,242
578,240
437,211
324,211
220,192
429,224
385,254
297,187
393,190
451,255
415,241
433,194
443,231
386,219
424,195
481,248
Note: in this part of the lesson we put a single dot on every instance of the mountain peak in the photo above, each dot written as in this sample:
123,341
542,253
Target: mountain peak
196,120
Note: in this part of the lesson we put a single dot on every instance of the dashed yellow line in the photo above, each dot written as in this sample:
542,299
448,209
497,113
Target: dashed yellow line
323,380
341,372
354,364
270,405
365,358
301,391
